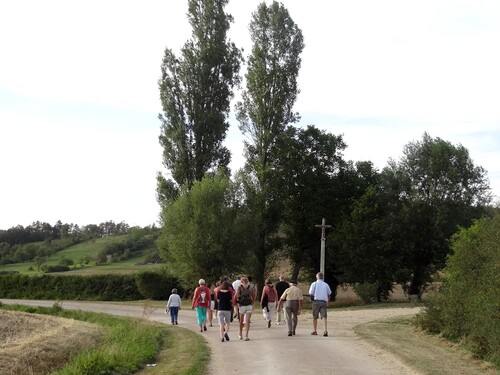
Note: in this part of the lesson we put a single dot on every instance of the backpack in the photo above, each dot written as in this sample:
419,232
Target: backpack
271,293
244,296
203,296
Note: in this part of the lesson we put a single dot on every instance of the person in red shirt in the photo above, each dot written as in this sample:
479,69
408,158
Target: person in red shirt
268,301
201,302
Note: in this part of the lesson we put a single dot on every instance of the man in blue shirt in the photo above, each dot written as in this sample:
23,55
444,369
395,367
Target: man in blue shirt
320,294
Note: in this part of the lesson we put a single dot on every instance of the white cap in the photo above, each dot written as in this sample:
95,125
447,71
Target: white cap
201,282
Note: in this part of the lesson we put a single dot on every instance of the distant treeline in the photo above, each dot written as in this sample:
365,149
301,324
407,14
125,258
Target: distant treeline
23,244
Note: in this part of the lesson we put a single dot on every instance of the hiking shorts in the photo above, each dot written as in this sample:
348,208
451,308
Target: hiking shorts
245,309
224,316
319,308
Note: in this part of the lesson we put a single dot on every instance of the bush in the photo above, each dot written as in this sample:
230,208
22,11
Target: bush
97,288
366,291
467,308
156,285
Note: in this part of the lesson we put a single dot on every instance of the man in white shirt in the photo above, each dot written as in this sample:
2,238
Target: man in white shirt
236,284
320,294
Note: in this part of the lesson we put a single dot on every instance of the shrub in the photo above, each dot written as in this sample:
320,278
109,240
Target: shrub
366,291
156,285
467,308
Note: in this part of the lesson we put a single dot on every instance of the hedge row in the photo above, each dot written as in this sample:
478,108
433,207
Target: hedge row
146,285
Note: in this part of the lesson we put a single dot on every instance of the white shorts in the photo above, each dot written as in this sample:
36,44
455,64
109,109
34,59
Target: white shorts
212,305
245,309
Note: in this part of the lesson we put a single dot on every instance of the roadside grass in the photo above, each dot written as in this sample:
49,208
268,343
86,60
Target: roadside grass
428,354
129,345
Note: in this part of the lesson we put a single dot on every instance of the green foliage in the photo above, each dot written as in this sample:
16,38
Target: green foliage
438,189
265,111
99,287
468,307
307,171
200,238
366,291
157,285
195,91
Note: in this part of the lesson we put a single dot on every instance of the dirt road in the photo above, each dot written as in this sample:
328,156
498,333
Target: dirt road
270,350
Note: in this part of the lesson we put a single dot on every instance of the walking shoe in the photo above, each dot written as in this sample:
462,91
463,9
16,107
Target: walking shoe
268,324
211,325
226,336
325,334
247,339
289,333
204,328
314,333
240,337
222,339
293,333
176,323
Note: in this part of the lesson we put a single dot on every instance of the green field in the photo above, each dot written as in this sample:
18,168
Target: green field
91,249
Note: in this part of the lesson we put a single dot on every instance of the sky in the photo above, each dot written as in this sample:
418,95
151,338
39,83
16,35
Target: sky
79,97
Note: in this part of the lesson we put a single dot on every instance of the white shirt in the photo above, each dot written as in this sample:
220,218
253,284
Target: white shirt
236,284
174,301
320,290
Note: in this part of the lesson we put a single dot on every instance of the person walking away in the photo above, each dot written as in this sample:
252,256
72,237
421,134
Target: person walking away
218,286
292,297
201,302
224,299
173,306
320,293
236,284
211,307
280,286
268,301
245,297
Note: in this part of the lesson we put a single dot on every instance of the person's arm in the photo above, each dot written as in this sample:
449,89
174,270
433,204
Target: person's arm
300,307
168,302
262,296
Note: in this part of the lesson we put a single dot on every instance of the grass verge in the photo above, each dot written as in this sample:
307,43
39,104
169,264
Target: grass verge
425,353
129,346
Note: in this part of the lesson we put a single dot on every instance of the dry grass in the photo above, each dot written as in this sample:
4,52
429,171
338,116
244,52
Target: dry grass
38,344
427,353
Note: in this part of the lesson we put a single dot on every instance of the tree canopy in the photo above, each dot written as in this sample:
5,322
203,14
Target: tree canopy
195,91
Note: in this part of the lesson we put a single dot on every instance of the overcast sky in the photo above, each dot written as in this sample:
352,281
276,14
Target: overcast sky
79,98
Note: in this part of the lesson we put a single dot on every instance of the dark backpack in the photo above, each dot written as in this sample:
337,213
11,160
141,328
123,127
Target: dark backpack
244,296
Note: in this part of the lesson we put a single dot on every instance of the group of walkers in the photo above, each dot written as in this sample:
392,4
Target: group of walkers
237,300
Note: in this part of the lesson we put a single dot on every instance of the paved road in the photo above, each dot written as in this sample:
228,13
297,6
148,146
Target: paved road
270,350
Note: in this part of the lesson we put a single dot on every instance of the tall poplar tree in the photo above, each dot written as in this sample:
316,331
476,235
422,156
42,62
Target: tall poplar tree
195,91
265,111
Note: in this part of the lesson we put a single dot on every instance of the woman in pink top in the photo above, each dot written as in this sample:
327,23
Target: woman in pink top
201,302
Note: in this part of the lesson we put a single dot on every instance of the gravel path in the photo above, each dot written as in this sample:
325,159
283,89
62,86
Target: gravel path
271,351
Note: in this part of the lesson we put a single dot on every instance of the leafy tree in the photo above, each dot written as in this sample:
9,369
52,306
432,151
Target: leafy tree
366,252
307,168
39,260
200,237
264,113
439,189
195,92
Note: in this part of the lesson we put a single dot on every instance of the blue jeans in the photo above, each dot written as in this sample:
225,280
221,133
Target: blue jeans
174,313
